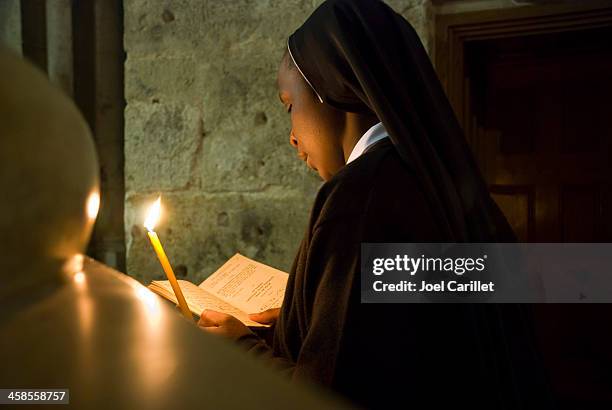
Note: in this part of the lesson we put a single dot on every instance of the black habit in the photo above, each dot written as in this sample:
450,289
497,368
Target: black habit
393,355
419,185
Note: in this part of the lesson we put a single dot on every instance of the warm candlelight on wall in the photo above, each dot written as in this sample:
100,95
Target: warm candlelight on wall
151,220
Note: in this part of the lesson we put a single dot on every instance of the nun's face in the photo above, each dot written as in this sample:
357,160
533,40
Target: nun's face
316,128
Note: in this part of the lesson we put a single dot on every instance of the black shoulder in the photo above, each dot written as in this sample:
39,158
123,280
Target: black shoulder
346,194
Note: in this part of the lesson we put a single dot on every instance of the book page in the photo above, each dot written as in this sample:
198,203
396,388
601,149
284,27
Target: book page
249,285
199,299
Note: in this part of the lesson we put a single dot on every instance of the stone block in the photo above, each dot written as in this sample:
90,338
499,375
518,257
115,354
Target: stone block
252,160
162,79
10,24
161,145
162,27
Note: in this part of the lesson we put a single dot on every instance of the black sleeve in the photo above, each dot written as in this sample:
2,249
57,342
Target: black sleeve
258,347
331,266
331,269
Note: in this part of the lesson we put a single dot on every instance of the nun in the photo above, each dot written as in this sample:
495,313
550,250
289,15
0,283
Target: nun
368,113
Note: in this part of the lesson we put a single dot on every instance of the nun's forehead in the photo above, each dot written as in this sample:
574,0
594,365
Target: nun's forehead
289,79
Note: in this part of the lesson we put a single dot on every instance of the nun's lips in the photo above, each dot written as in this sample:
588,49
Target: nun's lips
310,165
304,157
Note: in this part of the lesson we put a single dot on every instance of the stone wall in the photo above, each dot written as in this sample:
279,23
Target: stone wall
204,127
10,24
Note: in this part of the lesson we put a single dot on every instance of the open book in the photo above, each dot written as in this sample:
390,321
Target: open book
239,287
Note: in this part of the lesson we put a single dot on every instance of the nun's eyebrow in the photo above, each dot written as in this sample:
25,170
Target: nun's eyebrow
280,97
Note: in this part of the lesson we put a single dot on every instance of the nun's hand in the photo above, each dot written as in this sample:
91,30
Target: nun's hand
222,324
267,317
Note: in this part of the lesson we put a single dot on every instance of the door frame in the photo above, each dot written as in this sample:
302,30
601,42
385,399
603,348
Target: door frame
453,31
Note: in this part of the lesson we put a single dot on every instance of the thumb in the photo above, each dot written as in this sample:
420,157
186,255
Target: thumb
266,317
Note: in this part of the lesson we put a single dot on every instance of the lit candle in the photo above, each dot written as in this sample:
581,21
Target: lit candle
150,222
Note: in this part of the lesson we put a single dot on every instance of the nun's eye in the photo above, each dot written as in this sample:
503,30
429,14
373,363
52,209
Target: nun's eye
289,108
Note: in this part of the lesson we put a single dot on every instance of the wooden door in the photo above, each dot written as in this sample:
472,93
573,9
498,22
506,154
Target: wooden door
542,109
543,123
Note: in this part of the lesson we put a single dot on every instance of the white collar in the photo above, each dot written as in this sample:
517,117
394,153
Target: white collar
374,134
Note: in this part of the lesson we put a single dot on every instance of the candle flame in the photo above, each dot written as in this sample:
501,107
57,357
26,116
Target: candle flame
153,215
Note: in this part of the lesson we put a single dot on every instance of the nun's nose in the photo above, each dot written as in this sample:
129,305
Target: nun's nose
292,140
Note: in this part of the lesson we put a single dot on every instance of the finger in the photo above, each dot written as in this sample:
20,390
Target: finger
206,319
217,317
267,316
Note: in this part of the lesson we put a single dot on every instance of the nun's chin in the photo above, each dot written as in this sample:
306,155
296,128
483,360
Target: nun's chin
325,176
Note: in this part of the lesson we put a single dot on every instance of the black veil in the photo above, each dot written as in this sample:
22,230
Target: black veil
361,56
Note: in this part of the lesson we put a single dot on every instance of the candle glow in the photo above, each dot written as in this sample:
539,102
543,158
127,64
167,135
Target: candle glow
151,220
79,278
153,215
93,205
